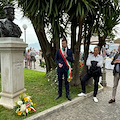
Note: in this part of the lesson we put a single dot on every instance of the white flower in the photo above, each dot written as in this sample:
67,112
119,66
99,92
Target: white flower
17,110
23,107
31,103
55,80
29,97
20,103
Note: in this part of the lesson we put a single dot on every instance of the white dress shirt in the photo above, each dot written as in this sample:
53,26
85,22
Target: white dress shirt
98,58
66,49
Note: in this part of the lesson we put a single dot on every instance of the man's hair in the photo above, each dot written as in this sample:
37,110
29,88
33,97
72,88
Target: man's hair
64,39
97,47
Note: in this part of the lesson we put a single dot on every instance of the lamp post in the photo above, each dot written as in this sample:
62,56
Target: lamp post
25,27
103,82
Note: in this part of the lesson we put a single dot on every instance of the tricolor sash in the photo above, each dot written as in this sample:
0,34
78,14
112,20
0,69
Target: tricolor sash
68,65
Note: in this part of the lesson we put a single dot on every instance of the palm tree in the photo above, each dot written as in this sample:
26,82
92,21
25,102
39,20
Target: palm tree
45,12
107,18
78,10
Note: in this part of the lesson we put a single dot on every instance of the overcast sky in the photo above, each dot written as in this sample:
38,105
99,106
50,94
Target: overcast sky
20,21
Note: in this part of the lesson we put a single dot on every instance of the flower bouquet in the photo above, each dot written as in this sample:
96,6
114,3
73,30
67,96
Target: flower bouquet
81,65
24,105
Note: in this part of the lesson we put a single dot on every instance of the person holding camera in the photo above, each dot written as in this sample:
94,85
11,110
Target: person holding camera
116,74
94,63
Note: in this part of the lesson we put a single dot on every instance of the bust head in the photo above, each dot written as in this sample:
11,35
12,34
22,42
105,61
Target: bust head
9,12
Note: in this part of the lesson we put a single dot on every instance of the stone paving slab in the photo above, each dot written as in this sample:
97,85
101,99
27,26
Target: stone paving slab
89,110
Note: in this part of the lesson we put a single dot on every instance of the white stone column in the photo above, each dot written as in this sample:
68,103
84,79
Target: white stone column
12,70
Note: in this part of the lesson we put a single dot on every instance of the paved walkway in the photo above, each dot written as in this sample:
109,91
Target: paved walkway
88,110
37,66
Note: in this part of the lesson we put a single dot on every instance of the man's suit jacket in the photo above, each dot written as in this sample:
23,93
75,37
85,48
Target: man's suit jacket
112,63
59,59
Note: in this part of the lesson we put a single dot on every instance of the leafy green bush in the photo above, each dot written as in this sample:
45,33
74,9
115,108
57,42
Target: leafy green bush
52,76
42,64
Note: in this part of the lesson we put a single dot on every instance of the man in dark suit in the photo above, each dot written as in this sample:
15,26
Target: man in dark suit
63,59
116,73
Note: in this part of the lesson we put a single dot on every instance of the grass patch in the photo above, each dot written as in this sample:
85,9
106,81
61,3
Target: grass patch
42,92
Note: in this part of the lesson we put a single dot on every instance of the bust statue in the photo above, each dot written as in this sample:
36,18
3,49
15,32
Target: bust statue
7,27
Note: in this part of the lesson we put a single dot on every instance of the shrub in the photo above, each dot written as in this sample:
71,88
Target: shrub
52,76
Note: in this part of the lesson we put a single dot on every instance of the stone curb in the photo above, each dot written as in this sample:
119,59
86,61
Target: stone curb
57,108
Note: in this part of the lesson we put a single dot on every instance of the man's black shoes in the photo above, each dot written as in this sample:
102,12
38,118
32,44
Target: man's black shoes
68,97
58,97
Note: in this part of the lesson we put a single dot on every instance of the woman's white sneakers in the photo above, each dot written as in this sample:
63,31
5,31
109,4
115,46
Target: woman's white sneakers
82,94
95,99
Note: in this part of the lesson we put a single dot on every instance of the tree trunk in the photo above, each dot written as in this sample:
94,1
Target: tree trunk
46,49
86,52
88,33
73,33
76,69
101,41
76,78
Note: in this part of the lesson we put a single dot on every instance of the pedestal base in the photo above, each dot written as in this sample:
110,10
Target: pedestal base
8,100
12,72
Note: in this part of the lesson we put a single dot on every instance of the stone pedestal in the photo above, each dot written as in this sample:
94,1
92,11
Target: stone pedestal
12,70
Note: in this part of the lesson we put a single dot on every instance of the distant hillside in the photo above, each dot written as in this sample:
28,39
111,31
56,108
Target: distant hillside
113,46
36,46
